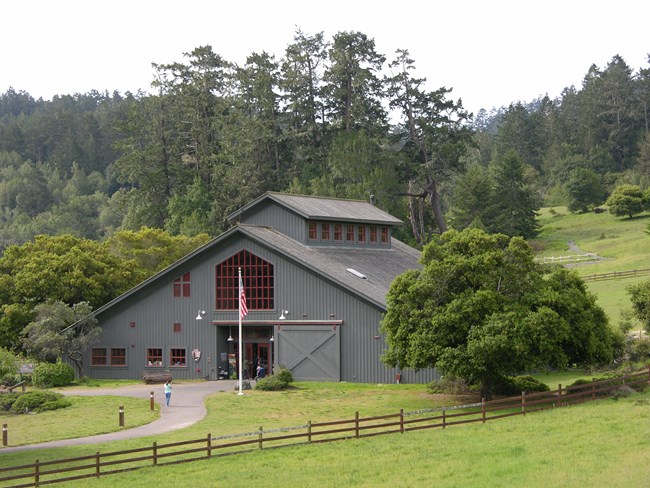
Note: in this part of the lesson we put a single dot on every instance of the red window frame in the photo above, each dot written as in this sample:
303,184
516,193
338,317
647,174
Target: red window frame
182,286
177,355
349,233
338,232
257,276
361,233
98,357
313,231
324,231
373,234
154,357
384,235
118,356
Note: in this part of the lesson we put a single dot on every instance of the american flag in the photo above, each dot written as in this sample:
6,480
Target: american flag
243,310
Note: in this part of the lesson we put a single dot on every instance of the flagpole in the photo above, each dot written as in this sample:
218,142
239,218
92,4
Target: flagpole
241,357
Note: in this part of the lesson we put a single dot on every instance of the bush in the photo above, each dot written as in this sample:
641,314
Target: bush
639,350
47,375
54,405
622,392
516,385
7,400
449,385
277,381
33,401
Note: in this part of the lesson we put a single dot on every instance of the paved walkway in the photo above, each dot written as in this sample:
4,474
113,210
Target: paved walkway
187,407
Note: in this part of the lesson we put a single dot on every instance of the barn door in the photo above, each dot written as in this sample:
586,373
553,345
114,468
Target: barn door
312,353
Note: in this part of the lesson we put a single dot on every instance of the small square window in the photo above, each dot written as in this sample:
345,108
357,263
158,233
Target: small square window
177,327
118,356
177,357
98,356
154,357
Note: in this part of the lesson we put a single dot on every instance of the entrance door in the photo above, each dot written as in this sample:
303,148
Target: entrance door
264,358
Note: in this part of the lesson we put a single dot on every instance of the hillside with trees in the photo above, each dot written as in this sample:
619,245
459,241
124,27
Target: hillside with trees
330,117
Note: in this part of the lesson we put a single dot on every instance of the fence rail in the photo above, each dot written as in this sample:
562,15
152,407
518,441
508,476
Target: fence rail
100,464
615,275
572,258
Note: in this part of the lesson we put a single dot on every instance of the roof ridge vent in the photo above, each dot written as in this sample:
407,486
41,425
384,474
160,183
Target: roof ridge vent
357,273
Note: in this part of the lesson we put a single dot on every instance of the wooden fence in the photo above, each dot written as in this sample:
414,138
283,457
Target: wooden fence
615,275
101,464
572,258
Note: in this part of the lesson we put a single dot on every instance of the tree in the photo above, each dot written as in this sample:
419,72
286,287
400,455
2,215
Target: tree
514,205
626,200
640,298
432,136
481,309
60,330
585,189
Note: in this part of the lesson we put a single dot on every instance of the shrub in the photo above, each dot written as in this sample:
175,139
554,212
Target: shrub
516,385
639,350
448,385
7,400
284,375
54,405
280,380
47,375
622,392
32,401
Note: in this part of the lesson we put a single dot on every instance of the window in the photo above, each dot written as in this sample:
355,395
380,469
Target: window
98,356
313,231
349,233
338,232
118,356
361,233
373,234
177,357
177,327
384,235
154,357
182,286
257,276
324,232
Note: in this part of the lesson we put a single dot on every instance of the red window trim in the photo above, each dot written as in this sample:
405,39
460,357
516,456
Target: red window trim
155,360
182,286
313,231
118,360
338,232
349,233
324,231
384,235
373,234
361,234
258,278
174,355
94,357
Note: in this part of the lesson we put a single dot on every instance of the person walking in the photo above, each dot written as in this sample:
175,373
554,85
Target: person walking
168,391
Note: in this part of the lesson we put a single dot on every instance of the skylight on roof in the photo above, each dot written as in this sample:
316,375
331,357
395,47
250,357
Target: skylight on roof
357,273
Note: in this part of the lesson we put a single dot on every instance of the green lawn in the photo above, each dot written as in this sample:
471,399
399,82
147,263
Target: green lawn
604,443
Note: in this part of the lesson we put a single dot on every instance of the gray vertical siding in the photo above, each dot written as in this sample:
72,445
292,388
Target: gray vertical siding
304,293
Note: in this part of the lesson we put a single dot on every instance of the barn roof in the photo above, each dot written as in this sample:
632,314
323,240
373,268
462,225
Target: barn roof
374,269
320,208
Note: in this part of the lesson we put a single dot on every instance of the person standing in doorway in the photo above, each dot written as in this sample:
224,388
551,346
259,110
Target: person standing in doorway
168,391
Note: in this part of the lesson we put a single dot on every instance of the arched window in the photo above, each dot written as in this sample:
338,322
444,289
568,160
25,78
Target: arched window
258,279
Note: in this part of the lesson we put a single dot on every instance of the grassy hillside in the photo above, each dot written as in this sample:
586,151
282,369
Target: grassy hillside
621,243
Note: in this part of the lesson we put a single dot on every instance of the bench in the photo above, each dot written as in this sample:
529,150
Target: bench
150,377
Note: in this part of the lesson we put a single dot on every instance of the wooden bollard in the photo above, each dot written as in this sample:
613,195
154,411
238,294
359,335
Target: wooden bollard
4,435
121,416
151,406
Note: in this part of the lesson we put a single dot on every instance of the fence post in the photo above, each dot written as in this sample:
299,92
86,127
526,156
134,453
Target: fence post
309,432
155,453
559,395
260,437
209,445
97,464
593,389
5,435
401,420
151,405
483,409
444,418
121,416
37,473
356,424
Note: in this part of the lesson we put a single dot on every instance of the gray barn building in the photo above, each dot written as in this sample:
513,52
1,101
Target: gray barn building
315,271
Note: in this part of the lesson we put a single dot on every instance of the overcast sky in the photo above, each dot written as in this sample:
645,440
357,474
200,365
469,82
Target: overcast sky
490,53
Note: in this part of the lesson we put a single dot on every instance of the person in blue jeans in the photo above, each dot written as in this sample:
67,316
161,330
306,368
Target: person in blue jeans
168,391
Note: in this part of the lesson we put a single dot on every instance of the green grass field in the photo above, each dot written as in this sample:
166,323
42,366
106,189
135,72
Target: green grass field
622,242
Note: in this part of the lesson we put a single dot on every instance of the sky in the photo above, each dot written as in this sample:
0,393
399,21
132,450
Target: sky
489,53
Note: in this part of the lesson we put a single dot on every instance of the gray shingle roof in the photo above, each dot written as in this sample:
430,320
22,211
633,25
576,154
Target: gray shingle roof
324,208
379,266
